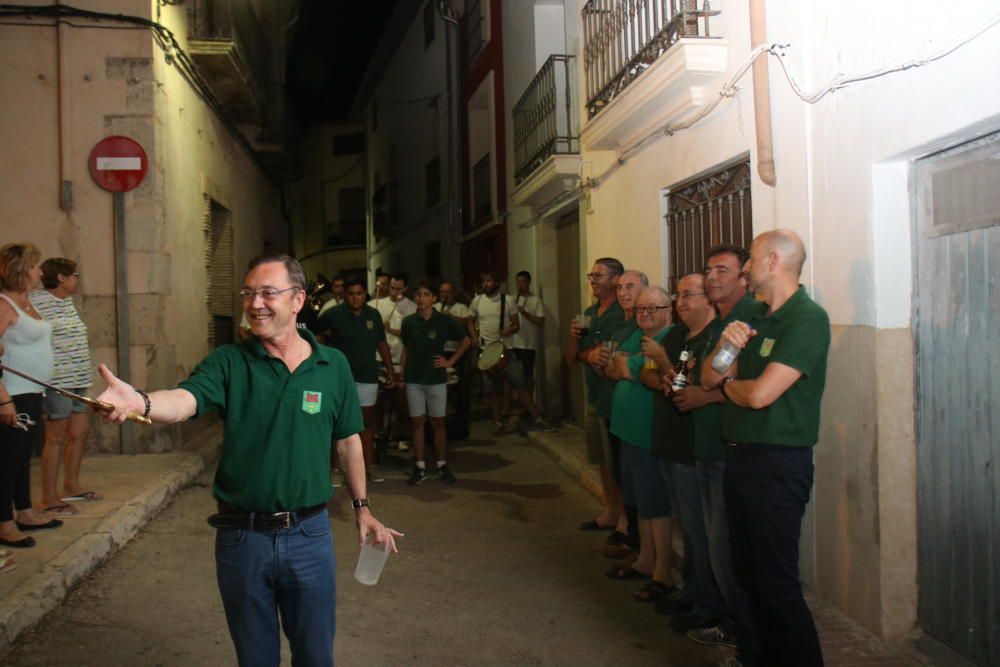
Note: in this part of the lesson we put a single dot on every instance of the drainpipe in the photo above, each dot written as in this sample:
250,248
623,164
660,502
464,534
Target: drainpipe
65,114
761,96
448,16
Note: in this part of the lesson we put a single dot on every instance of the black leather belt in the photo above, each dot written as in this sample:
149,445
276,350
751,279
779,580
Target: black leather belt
229,517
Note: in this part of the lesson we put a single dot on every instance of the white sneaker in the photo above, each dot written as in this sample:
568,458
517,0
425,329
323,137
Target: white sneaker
374,476
337,478
715,635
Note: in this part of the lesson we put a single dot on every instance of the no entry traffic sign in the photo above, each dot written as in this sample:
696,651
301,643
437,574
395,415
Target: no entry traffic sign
118,164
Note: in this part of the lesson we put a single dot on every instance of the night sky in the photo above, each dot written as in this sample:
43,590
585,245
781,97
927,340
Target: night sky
329,51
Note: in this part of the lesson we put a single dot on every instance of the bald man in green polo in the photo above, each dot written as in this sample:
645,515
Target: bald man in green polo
770,425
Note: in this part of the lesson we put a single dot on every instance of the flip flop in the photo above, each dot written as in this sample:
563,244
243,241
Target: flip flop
59,510
589,525
88,496
625,572
652,591
7,563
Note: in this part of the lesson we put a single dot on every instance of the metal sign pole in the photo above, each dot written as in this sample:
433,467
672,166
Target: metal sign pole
121,308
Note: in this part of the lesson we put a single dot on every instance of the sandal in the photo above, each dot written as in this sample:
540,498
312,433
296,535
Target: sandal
652,590
625,572
7,562
90,496
61,509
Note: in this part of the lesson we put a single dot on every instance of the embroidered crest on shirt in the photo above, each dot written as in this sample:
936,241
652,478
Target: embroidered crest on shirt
765,347
311,400
432,334
370,324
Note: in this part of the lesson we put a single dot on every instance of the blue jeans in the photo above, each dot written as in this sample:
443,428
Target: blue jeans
288,571
720,552
699,584
767,488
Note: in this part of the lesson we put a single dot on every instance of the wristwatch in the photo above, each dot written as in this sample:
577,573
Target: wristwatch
358,503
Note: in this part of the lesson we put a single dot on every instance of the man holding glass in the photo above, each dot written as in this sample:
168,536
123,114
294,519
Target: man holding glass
282,397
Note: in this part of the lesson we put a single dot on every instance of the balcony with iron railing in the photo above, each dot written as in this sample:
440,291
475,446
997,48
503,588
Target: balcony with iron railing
646,63
234,55
546,138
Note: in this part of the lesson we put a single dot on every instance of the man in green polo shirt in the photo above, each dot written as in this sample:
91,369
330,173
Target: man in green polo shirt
771,421
586,347
425,363
282,397
356,329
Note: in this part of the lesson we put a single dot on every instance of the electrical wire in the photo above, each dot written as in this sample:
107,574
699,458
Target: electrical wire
173,53
778,50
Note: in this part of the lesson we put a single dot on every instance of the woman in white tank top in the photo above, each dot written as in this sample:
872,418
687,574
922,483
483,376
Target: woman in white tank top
27,346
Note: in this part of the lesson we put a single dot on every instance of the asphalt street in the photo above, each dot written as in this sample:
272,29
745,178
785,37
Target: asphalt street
493,571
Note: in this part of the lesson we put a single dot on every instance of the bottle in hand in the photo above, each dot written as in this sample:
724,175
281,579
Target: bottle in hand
681,379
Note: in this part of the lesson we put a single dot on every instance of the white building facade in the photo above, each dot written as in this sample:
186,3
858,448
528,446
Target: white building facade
902,243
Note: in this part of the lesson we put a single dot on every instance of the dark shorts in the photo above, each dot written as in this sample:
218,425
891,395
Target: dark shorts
527,359
642,484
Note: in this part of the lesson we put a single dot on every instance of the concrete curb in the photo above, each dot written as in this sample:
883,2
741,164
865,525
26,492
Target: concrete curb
41,593
568,458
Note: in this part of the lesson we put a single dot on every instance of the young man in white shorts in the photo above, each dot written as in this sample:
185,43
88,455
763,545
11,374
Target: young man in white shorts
424,369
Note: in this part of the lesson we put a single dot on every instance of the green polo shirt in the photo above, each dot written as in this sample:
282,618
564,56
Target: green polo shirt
673,431
796,335
357,336
278,425
632,402
602,328
708,442
424,340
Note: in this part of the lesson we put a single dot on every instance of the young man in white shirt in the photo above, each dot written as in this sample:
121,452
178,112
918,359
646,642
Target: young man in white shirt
531,314
493,318
393,308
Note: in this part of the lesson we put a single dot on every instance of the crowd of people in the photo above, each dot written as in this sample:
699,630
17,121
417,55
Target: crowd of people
41,335
411,351
703,407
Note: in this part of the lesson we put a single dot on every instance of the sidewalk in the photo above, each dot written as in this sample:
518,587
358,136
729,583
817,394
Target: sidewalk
135,489
845,643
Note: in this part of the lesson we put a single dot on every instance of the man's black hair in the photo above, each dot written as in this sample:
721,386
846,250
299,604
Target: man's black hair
525,275
741,253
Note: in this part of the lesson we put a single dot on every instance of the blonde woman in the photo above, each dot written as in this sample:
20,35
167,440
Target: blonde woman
27,346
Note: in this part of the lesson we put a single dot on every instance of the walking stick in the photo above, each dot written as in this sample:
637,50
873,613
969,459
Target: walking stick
92,402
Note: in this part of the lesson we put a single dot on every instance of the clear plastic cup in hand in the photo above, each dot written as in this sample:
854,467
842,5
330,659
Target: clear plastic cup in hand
371,561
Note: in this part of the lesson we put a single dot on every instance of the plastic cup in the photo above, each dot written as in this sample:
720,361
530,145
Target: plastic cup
371,561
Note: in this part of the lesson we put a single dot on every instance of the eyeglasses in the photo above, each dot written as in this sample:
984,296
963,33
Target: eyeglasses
649,310
595,276
686,295
267,293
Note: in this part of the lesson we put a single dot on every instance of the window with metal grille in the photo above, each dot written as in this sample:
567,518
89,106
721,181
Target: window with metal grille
705,210
220,292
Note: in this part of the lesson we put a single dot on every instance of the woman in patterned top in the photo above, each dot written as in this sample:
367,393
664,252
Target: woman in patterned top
67,421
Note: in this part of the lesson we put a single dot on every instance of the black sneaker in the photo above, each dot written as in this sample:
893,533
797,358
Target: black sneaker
417,476
445,475
673,604
683,622
717,635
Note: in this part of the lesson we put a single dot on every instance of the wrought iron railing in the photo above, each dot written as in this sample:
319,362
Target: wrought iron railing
235,21
622,38
706,211
544,123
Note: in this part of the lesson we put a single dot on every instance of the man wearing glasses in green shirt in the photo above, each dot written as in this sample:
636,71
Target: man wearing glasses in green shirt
282,397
